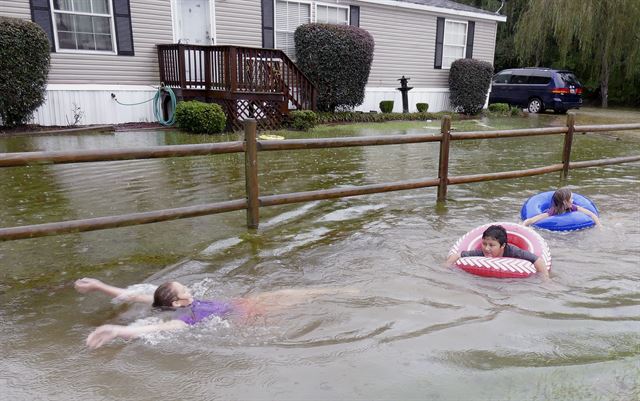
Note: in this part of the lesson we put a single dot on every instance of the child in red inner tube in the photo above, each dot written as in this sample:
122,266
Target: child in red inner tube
494,245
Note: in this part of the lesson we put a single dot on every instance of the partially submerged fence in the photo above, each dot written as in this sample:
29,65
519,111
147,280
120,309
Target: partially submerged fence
251,147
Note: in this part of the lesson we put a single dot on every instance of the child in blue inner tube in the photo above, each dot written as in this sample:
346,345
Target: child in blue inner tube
189,311
562,202
494,245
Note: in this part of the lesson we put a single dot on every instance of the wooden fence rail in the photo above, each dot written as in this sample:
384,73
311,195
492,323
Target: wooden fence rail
251,148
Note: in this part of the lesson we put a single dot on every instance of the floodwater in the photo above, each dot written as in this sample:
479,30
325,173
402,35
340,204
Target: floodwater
400,326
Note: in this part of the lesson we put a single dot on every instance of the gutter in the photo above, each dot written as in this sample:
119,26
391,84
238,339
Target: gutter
441,10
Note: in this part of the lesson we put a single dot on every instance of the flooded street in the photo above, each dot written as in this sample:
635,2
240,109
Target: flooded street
401,326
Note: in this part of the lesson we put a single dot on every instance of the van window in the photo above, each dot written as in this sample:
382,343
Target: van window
519,79
502,79
539,80
569,79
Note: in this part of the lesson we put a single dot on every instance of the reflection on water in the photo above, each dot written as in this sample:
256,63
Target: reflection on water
412,330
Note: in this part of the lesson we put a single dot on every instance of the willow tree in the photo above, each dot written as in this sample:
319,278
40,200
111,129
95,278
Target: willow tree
604,35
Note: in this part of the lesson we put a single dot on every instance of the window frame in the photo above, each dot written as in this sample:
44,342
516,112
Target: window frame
444,41
112,27
313,16
336,6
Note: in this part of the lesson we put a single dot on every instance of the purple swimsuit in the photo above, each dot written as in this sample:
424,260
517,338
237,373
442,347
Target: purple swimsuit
200,310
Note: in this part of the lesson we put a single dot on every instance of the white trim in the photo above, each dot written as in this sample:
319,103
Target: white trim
414,90
112,24
99,87
442,10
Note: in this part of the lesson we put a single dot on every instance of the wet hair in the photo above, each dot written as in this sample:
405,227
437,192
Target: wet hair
164,296
561,201
496,232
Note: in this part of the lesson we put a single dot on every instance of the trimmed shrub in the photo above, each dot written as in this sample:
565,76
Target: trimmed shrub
499,108
337,59
24,67
422,107
201,118
303,119
357,117
386,106
469,81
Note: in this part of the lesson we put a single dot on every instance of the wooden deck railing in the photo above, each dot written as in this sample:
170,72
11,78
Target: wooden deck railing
251,148
248,82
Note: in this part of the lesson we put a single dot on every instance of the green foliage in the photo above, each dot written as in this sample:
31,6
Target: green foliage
386,106
199,117
24,67
596,39
469,81
337,59
357,117
303,119
422,107
499,108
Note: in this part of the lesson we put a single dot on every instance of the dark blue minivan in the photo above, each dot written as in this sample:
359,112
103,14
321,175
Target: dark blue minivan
537,89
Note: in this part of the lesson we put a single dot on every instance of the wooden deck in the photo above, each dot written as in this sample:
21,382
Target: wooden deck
247,82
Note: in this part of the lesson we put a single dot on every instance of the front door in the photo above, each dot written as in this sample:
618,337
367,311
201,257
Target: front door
194,22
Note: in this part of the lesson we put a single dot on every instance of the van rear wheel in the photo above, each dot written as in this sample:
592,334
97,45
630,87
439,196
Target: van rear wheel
535,105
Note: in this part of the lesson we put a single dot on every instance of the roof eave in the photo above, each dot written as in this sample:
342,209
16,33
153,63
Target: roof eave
442,10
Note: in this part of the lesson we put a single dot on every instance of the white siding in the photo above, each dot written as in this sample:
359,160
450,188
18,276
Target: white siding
151,23
239,22
15,9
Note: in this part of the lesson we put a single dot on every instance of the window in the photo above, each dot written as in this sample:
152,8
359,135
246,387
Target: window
539,80
289,16
327,14
455,42
502,78
519,79
84,25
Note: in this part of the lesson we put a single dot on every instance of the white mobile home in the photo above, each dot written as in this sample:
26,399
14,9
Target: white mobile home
100,47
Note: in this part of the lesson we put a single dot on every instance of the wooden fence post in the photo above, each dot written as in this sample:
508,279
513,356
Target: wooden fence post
251,173
568,141
182,71
443,166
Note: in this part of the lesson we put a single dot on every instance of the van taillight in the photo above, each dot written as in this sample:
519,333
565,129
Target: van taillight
566,91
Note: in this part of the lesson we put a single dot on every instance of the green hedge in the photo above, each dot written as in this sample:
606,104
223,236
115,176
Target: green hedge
303,119
499,108
422,107
201,118
24,67
356,117
386,106
469,82
337,59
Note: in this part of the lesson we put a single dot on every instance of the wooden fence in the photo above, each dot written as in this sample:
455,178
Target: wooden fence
251,147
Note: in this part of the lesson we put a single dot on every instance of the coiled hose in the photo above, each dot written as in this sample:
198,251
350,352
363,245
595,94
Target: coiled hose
157,105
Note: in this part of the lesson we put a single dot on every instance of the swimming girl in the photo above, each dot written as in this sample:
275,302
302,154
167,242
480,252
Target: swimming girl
188,311
494,245
562,202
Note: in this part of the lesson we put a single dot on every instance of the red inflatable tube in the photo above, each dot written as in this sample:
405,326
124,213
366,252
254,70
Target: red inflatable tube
518,235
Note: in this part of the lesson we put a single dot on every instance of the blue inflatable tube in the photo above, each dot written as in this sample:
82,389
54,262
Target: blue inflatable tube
570,221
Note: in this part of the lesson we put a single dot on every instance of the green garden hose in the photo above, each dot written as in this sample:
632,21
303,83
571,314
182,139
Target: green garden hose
157,104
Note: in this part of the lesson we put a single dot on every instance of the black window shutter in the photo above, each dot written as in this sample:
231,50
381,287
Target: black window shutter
267,24
470,31
439,40
124,32
354,12
41,15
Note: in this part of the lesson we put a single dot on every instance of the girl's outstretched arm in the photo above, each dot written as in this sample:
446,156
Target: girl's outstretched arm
535,219
590,214
108,332
541,268
451,259
85,285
